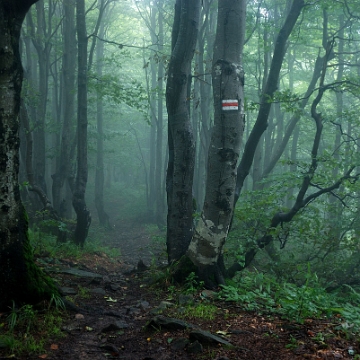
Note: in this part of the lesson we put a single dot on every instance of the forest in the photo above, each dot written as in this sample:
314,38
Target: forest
210,145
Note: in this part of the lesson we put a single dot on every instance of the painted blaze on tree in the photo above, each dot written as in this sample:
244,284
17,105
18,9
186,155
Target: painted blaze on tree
228,81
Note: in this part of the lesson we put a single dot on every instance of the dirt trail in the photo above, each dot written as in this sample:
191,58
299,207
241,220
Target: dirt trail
117,303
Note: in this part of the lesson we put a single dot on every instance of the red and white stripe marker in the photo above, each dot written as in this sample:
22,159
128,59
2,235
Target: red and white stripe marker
230,105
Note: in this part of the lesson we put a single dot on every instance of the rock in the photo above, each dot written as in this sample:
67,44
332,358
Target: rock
195,348
132,311
207,337
143,305
71,327
117,325
80,273
98,291
186,299
179,344
114,287
156,311
118,314
68,291
113,349
208,294
162,306
165,304
169,323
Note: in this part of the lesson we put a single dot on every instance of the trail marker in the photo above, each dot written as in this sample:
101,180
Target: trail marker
230,105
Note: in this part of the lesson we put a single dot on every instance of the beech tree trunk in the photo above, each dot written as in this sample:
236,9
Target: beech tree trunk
99,174
180,170
83,214
21,280
228,82
63,162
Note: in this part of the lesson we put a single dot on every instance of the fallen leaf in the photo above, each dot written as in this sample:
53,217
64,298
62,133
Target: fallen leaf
310,333
54,346
111,300
44,356
220,332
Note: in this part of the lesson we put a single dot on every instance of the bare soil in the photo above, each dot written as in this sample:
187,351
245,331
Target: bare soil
115,308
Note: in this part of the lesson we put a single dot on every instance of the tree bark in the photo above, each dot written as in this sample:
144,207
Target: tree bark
63,164
180,170
21,280
228,82
99,173
83,214
159,194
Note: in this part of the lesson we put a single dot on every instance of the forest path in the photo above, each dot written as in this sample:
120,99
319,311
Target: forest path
138,242
116,301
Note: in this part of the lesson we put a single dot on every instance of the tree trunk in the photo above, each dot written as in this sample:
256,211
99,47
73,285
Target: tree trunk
159,211
68,96
180,170
21,280
228,82
83,214
99,174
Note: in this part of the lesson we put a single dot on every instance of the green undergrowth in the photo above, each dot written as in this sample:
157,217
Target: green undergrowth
28,330
197,311
255,291
45,244
264,294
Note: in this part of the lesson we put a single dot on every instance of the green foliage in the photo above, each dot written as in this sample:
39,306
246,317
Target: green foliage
83,293
26,330
192,284
45,243
256,291
203,311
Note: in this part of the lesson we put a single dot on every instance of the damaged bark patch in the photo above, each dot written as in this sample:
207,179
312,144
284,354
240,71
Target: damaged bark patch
206,243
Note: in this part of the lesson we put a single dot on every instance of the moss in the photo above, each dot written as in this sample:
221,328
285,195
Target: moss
22,280
39,285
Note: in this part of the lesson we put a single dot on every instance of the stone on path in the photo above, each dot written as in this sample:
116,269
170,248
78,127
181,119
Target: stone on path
169,323
80,273
207,337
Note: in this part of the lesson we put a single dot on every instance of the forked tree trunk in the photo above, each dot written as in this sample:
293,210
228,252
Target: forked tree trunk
228,82
21,280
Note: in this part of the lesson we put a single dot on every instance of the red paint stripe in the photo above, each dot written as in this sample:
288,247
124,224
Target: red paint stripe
230,104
